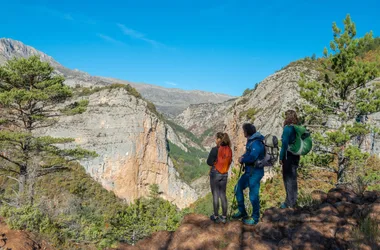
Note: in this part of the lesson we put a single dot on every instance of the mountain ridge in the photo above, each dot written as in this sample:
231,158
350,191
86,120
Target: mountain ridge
169,101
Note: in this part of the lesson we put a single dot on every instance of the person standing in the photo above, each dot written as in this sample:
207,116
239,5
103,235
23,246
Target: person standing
255,150
220,159
289,161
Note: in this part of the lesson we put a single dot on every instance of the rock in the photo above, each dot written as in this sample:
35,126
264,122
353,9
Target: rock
285,244
370,196
344,233
373,212
199,232
327,209
343,194
345,208
20,240
269,231
131,143
314,236
255,242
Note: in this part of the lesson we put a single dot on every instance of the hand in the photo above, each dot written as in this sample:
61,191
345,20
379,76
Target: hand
241,159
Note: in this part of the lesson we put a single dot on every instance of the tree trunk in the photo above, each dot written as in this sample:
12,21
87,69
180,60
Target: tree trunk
341,168
23,177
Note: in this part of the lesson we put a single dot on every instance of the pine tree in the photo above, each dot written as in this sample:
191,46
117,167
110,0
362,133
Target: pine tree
338,105
30,93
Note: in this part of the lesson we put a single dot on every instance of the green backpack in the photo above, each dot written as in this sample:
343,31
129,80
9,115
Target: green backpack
303,144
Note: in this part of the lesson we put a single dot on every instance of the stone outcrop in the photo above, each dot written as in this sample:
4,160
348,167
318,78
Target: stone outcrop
131,143
270,99
332,223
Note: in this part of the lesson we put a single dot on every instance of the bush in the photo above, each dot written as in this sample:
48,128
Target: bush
76,108
249,114
190,165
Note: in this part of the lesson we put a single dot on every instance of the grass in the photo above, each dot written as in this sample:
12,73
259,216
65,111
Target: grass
368,232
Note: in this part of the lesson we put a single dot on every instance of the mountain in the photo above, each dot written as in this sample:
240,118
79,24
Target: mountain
131,142
264,106
131,138
170,102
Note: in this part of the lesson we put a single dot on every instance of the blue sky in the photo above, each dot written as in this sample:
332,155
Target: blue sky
219,46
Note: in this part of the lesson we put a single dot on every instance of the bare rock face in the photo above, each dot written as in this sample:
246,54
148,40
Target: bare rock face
132,147
320,226
270,99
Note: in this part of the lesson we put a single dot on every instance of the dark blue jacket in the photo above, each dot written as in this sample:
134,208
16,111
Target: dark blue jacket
255,150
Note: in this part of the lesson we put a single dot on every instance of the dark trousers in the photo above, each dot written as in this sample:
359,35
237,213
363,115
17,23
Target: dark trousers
289,175
218,183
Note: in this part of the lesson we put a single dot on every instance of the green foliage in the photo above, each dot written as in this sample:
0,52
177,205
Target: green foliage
342,94
369,46
29,95
242,101
89,91
76,108
208,132
249,114
71,207
247,91
367,232
180,130
190,165
131,90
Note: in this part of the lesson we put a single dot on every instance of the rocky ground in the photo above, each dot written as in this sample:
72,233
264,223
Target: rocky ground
329,224
20,240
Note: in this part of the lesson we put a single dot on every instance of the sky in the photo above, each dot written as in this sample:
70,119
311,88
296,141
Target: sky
218,46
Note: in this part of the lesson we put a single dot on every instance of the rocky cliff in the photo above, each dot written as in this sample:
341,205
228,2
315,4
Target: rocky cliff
263,106
132,145
340,219
170,102
131,140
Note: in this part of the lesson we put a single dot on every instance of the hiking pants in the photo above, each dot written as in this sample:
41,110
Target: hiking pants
289,175
218,183
251,178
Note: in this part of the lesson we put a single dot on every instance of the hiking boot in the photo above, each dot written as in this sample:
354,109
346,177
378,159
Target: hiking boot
214,218
222,219
238,216
283,205
249,221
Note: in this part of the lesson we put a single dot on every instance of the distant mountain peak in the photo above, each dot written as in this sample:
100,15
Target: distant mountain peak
169,101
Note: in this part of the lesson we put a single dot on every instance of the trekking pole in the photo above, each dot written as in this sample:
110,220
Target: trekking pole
233,200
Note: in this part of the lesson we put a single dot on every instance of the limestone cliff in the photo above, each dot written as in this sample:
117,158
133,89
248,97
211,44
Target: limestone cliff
267,102
132,145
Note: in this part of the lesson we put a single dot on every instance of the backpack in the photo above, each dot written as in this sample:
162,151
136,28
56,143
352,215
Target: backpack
303,143
271,152
223,162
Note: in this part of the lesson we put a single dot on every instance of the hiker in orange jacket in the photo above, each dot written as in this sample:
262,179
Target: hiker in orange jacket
219,160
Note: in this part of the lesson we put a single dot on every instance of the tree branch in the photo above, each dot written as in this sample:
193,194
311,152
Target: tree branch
9,160
52,169
325,169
